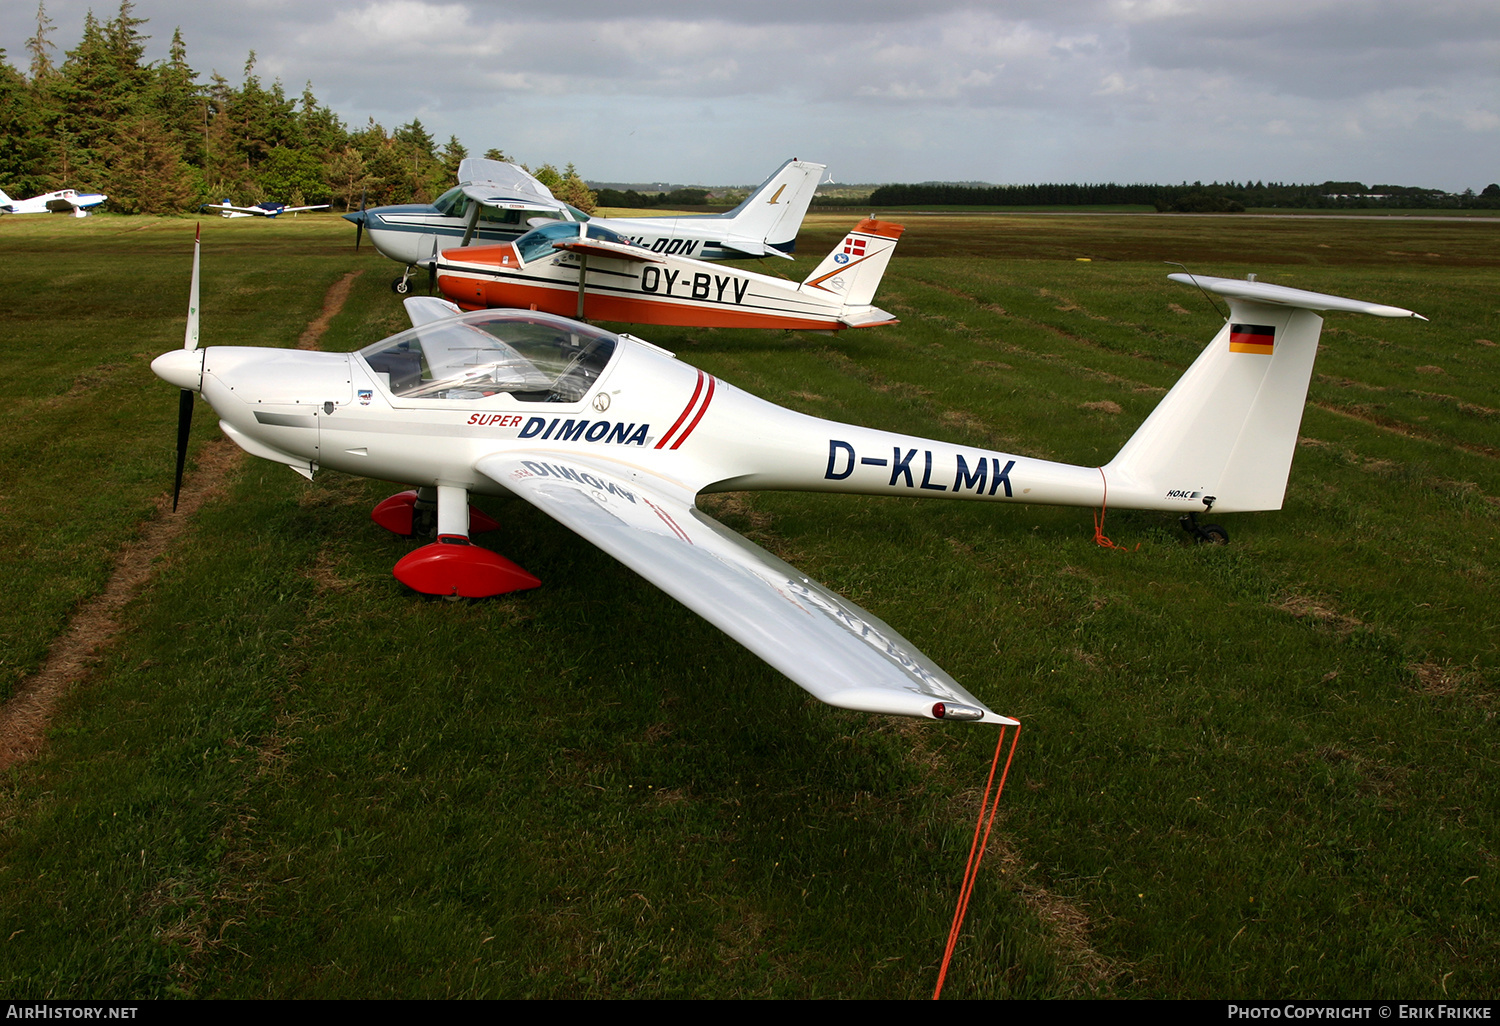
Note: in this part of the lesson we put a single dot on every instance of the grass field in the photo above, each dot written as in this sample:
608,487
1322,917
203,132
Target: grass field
1260,770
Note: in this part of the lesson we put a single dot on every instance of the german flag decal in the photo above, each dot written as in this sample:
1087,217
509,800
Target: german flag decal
1252,338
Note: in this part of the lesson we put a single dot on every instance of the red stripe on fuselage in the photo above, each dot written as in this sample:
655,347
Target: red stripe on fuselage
697,389
701,411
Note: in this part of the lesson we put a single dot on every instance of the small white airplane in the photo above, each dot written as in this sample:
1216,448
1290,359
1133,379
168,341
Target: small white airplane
593,273
614,438
267,209
498,202
63,201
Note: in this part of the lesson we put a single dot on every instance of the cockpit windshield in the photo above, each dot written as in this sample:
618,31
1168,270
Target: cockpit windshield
457,203
538,242
535,357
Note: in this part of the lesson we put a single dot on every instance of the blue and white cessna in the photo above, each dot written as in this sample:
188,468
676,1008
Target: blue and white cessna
498,202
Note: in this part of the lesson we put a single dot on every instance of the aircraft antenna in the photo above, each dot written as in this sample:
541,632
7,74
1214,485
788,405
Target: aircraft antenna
1211,301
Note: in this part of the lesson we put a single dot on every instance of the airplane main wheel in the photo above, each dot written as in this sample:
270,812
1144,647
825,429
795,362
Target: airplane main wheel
401,286
1213,534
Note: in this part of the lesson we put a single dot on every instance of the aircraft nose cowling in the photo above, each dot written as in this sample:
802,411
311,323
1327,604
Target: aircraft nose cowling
180,367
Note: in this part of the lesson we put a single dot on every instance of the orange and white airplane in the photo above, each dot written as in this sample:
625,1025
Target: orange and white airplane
590,272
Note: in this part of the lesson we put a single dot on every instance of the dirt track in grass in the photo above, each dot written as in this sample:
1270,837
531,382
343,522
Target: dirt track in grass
24,719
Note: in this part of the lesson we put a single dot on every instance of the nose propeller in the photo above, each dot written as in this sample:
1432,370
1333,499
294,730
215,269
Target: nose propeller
359,226
185,396
184,428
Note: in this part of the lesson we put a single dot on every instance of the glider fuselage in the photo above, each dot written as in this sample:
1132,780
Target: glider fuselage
646,411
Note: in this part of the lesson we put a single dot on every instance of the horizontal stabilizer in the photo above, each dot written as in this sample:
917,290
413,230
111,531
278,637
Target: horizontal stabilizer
871,317
1281,295
751,248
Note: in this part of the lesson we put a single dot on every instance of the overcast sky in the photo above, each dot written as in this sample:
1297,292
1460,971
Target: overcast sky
697,91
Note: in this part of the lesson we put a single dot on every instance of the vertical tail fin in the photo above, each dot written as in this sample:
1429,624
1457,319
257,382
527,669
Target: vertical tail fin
854,269
773,214
1227,430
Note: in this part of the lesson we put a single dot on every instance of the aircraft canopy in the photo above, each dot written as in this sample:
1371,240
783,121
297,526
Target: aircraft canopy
534,356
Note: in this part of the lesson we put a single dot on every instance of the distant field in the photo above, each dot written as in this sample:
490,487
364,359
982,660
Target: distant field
1142,208
1262,770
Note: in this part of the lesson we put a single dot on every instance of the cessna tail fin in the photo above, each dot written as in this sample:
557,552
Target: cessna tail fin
767,223
854,269
1225,434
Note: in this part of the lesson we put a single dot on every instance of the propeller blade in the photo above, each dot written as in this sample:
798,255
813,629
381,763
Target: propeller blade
184,428
185,397
431,275
359,226
190,338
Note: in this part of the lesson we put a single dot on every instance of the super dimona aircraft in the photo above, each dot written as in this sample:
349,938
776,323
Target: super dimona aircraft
614,438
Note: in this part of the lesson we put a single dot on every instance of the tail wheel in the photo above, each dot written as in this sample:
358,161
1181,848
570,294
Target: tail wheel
1213,534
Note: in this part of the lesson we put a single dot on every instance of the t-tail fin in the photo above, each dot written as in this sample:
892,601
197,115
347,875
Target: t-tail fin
767,223
854,269
1225,434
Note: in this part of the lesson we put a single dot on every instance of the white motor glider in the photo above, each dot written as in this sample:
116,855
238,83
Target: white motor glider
593,273
63,201
615,438
498,202
266,209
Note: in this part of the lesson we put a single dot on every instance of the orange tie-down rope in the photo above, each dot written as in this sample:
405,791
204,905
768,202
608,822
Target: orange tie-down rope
1099,538
976,849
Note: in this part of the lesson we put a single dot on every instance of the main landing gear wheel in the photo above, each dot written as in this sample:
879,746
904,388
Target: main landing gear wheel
1210,534
401,286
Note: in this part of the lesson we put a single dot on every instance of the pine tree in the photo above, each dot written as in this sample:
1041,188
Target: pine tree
147,174
24,149
453,155
575,191
42,70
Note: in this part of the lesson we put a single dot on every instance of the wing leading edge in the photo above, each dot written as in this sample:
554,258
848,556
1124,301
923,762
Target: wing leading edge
826,644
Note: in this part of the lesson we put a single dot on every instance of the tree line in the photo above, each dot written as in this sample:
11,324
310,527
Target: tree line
158,140
1196,197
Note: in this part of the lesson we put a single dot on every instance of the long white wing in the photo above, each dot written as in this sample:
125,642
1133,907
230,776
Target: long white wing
839,652
228,208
